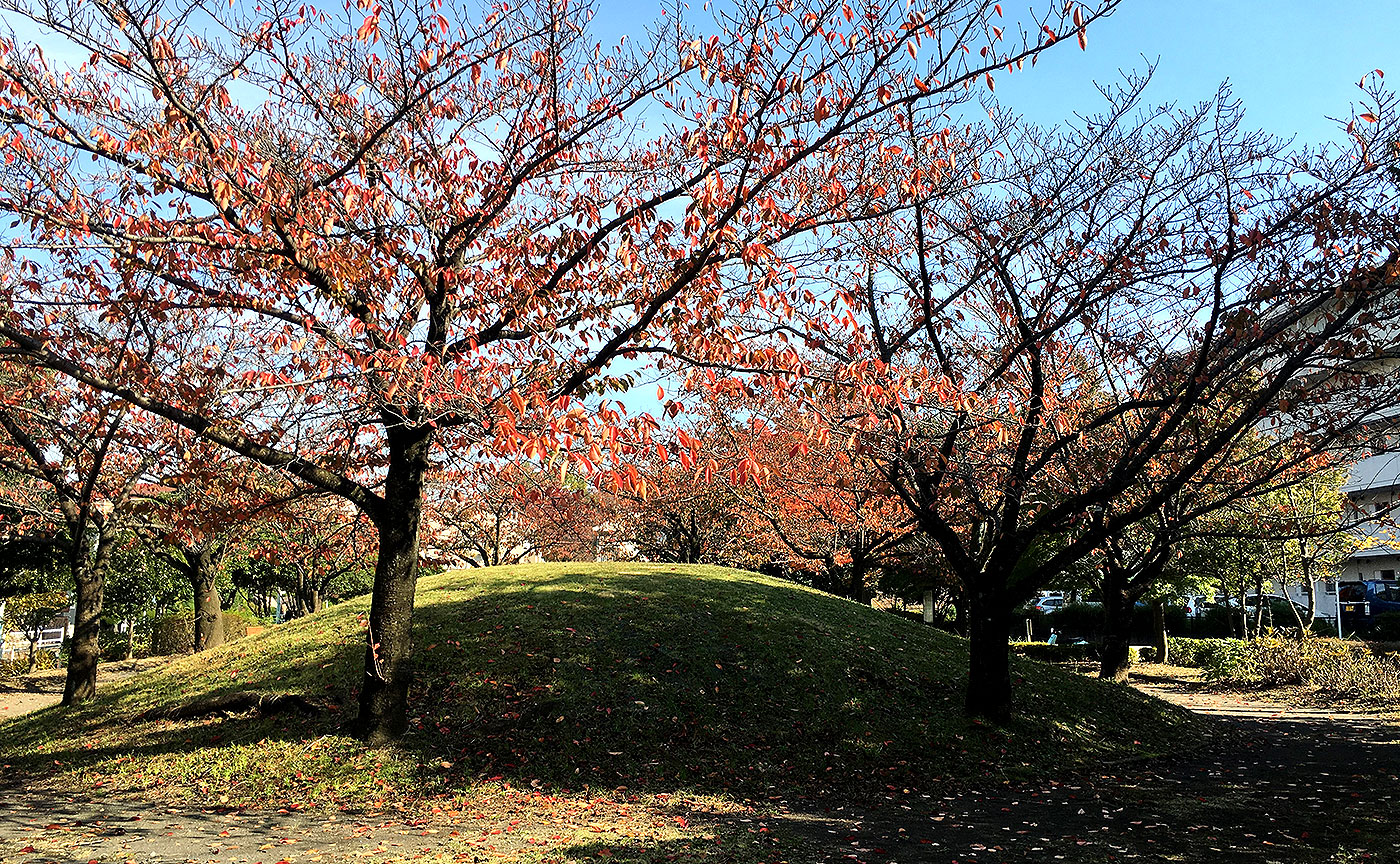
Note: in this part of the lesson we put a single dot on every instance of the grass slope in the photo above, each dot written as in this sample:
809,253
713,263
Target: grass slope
560,677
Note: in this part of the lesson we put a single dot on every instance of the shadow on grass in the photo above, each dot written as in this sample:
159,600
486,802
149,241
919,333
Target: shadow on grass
634,676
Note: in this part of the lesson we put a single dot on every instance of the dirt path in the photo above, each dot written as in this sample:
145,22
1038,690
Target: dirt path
1296,785
1293,786
41,689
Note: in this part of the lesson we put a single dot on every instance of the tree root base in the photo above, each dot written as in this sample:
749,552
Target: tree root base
239,702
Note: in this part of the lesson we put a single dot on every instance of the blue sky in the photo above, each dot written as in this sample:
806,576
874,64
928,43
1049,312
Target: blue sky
1292,62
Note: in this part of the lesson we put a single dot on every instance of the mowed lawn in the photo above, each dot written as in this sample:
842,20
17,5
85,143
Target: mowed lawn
570,679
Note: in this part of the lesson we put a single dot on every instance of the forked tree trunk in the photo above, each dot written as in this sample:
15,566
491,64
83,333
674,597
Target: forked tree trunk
989,650
1117,620
389,653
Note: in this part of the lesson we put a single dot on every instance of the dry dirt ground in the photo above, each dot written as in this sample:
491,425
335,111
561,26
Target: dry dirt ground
1292,785
42,689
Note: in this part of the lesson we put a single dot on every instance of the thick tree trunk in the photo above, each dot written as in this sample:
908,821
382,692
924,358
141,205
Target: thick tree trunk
989,650
84,652
388,655
208,608
89,569
1159,631
1117,621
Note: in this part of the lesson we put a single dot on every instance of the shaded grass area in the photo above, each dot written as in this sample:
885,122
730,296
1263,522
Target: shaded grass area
583,678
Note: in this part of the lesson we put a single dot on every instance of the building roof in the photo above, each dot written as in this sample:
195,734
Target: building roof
1375,473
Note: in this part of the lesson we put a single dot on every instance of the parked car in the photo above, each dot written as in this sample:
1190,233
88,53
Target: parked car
1049,604
1279,611
1195,605
1362,601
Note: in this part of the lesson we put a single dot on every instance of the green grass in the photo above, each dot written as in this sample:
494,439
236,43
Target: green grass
557,679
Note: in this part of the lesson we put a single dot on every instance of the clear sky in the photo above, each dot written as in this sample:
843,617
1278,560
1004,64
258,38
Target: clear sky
1292,62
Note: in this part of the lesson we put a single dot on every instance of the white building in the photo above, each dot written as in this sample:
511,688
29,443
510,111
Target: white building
1374,488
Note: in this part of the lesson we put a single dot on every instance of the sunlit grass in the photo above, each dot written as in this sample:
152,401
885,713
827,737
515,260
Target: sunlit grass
566,677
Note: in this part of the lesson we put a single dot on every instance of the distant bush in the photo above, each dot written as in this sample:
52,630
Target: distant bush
1195,652
1337,667
236,624
1052,653
174,633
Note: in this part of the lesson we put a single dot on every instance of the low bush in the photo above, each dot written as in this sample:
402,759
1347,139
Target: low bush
1194,652
174,633
236,624
1339,668
1053,653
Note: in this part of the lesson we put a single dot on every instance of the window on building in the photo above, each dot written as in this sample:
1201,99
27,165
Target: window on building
1385,575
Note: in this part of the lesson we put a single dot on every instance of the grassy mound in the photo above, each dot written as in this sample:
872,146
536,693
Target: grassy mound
559,677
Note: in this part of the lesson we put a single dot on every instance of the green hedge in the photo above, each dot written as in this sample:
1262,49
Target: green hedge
1199,652
174,633
1055,653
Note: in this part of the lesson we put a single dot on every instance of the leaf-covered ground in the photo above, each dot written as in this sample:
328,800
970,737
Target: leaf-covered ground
542,688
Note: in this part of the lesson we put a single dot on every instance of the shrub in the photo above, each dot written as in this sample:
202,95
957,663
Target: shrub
1052,653
1340,668
1225,660
236,624
173,634
1147,654
1193,652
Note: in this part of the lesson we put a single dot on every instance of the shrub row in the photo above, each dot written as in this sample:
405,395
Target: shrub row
1054,653
1346,669
174,633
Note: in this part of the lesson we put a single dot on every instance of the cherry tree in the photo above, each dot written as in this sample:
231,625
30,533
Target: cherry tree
84,459
352,238
1025,334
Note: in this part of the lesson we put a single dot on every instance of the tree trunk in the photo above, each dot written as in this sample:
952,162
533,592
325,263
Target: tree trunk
1117,615
84,652
1259,605
208,609
1159,631
989,650
130,639
960,613
389,652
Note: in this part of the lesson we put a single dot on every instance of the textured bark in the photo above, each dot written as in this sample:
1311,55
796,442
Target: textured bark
84,650
989,649
1159,631
389,652
203,571
1118,610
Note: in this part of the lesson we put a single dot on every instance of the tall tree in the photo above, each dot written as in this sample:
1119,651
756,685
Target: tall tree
417,225
86,455
1031,326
